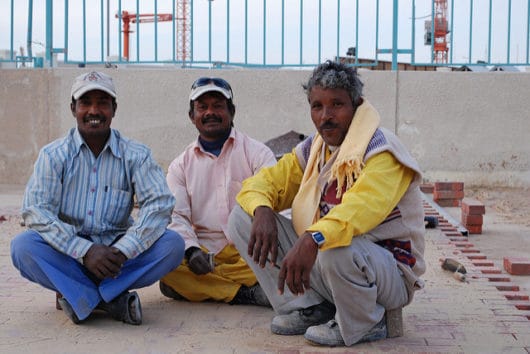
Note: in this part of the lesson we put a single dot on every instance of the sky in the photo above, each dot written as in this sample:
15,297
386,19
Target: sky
470,42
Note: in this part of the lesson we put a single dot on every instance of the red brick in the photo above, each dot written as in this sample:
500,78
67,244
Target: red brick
455,234
473,206
448,202
474,229
515,295
472,219
469,250
490,270
522,306
495,278
427,188
504,286
517,265
463,244
483,263
443,194
449,186
476,256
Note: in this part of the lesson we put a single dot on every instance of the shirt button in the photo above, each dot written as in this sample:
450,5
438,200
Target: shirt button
90,212
92,189
94,170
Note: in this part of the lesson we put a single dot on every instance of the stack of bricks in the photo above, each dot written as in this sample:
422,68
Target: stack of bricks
448,194
472,215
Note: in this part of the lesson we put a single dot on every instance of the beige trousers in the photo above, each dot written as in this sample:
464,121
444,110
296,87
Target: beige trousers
362,280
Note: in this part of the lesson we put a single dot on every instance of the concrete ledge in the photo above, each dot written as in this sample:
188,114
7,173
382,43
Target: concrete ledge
460,126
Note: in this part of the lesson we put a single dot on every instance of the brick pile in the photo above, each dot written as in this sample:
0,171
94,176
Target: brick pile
472,215
448,194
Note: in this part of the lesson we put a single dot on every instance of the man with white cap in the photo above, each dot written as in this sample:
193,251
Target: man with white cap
205,179
82,241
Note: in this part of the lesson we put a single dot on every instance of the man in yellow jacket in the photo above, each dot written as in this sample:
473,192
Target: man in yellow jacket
354,246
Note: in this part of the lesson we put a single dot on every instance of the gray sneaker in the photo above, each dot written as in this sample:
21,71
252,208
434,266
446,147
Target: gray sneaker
297,322
328,334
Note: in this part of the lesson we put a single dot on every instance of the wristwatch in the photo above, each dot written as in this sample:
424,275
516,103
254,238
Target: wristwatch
318,238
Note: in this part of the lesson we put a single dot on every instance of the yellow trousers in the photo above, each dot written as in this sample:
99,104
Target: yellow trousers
231,271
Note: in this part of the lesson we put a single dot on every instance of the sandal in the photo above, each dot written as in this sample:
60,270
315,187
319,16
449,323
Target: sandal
68,310
126,307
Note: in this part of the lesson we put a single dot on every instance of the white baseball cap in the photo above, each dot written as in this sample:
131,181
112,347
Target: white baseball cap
93,81
210,84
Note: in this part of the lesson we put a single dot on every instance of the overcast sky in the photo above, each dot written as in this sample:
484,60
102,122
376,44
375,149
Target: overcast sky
366,42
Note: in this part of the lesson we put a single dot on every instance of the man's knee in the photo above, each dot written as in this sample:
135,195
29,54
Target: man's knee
239,223
173,244
22,247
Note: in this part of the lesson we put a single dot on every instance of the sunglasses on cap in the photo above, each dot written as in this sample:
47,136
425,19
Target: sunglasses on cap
202,81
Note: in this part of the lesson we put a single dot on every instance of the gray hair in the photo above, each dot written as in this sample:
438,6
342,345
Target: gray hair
336,75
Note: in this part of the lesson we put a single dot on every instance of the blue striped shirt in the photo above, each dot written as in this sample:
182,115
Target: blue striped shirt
74,199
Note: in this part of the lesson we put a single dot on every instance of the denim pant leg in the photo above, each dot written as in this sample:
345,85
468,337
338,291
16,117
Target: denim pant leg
38,262
162,257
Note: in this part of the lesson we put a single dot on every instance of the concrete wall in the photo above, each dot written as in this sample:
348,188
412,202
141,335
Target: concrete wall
470,127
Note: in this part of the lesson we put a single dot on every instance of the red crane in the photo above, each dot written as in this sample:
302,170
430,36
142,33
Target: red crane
440,31
129,18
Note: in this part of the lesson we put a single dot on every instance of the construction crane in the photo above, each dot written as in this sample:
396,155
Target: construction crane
182,22
440,48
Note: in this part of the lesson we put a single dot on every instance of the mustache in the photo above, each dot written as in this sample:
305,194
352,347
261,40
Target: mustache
328,125
214,118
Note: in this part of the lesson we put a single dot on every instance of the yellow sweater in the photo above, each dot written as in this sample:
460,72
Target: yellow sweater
380,186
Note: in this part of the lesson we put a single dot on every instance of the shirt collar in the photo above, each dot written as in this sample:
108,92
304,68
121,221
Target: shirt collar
112,144
198,147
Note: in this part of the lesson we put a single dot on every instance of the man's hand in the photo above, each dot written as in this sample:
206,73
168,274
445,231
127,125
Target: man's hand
198,262
297,265
104,261
263,236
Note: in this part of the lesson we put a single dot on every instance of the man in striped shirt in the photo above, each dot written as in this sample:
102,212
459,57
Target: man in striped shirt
82,240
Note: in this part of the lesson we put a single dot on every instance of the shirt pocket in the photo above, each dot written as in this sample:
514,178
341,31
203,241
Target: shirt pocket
118,207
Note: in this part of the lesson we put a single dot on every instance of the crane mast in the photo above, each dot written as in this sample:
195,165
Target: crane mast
183,24
182,27
440,47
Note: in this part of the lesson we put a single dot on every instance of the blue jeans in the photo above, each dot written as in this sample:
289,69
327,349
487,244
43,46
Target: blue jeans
38,262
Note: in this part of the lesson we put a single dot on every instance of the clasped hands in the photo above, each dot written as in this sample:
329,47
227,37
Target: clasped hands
104,261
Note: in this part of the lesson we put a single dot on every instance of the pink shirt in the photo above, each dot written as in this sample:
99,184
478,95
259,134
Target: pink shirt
205,188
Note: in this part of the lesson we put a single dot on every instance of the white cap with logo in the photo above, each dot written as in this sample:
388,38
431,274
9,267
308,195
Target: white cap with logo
93,81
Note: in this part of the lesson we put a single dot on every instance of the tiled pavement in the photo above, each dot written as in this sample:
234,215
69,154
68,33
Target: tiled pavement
485,314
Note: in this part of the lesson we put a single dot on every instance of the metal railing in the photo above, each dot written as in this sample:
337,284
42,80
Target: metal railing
263,33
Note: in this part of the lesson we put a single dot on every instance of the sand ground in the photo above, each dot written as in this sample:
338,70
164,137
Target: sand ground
447,316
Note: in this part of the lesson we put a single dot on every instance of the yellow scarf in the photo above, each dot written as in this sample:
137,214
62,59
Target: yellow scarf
345,169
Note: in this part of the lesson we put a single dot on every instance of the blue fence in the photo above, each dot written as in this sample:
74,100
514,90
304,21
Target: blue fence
264,33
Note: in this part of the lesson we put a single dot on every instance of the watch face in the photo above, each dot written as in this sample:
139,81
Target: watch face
318,238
